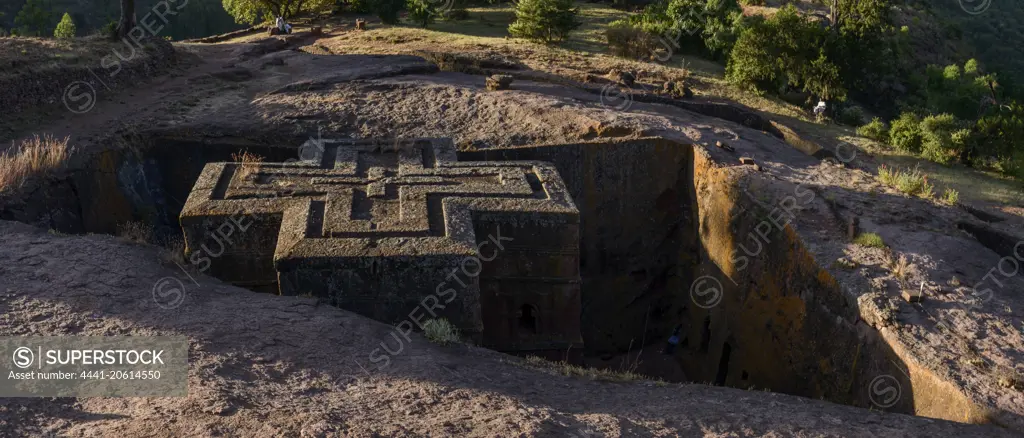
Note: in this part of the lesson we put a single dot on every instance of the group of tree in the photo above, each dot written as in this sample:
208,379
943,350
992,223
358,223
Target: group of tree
548,21
542,20
36,19
195,18
828,55
852,51
958,114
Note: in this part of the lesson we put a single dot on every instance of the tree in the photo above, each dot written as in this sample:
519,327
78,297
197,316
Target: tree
821,78
784,52
544,20
34,18
999,135
387,10
862,42
66,28
421,12
254,11
959,91
722,26
858,17
714,24
127,21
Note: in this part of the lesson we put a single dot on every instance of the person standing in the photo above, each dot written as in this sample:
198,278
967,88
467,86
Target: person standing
673,340
819,111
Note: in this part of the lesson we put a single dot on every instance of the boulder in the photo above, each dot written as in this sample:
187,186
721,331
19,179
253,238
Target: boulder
498,82
624,77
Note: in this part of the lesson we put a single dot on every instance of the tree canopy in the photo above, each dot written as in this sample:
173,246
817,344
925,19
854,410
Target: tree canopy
255,11
34,19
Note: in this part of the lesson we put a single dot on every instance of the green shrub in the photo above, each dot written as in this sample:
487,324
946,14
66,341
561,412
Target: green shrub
109,30
1012,165
440,331
905,133
421,12
653,19
875,130
851,116
66,28
909,181
950,196
387,10
629,40
937,138
547,21
870,240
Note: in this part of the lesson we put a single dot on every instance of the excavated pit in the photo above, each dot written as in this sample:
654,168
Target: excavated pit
655,217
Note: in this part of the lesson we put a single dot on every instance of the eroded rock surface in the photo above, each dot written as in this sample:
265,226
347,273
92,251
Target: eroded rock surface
269,365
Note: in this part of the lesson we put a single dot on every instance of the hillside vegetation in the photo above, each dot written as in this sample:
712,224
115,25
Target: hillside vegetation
906,74
198,18
859,56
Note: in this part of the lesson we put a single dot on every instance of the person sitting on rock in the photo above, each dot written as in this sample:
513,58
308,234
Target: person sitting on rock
283,26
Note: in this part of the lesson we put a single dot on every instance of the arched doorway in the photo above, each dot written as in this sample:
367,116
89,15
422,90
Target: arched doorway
527,319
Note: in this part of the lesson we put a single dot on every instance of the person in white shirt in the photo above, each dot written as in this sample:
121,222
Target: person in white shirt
819,110
283,26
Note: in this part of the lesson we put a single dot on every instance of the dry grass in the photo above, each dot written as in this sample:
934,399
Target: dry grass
33,157
567,369
135,231
909,181
899,266
34,54
250,163
174,251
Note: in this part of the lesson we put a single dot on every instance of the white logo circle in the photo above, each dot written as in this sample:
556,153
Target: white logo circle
839,150
885,391
23,357
168,292
975,7
71,92
615,97
311,150
708,296
442,6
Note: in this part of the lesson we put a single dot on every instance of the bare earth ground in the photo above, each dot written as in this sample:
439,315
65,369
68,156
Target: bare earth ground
264,364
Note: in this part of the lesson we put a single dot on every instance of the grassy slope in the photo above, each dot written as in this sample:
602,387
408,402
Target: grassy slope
35,54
